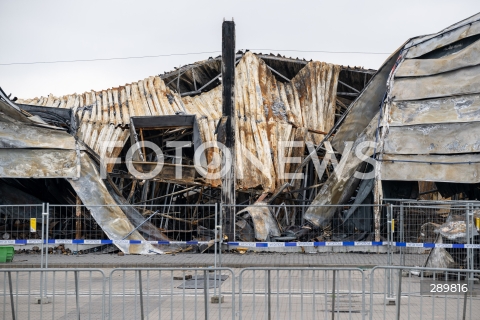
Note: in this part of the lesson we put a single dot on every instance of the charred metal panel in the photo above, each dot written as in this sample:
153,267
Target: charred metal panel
20,135
454,168
446,38
94,194
366,106
158,122
443,138
38,163
339,187
10,112
146,228
168,172
421,39
446,110
49,113
469,56
264,224
464,81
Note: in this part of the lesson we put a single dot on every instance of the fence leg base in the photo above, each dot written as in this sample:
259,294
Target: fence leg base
44,300
216,299
390,301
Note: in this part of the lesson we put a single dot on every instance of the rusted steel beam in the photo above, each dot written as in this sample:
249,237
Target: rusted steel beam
278,73
347,94
350,87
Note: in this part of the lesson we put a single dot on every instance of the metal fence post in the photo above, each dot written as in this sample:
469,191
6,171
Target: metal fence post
270,295
77,298
389,249
205,291
402,234
465,305
399,293
11,294
220,223
46,249
333,295
470,225
140,286
44,213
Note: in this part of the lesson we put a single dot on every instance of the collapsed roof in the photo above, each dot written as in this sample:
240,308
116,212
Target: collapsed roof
30,148
420,109
278,99
297,102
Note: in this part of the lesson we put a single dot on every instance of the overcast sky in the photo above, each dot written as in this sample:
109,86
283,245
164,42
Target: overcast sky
38,31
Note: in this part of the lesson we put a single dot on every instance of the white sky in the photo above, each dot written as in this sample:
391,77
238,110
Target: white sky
66,30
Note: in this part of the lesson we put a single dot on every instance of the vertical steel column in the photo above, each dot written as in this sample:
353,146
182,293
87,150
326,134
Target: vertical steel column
228,111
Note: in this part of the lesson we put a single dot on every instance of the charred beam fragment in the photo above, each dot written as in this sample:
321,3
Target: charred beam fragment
228,110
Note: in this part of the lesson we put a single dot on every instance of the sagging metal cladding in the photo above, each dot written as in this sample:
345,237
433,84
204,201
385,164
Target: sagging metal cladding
38,163
455,109
264,224
432,109
470,56
428,96
94,194
444,168
366,106
29,151
20,135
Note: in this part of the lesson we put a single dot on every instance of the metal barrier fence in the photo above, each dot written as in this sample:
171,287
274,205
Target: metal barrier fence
16,223
418,293
261,293
175,222
301,293
410,231
52,294
434,234
172,294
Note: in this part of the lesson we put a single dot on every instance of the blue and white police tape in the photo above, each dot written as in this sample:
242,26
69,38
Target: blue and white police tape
251,244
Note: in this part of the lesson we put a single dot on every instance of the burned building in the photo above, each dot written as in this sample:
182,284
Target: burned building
357,137
278,100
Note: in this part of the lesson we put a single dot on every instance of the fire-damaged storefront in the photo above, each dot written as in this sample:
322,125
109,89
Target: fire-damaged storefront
318,151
